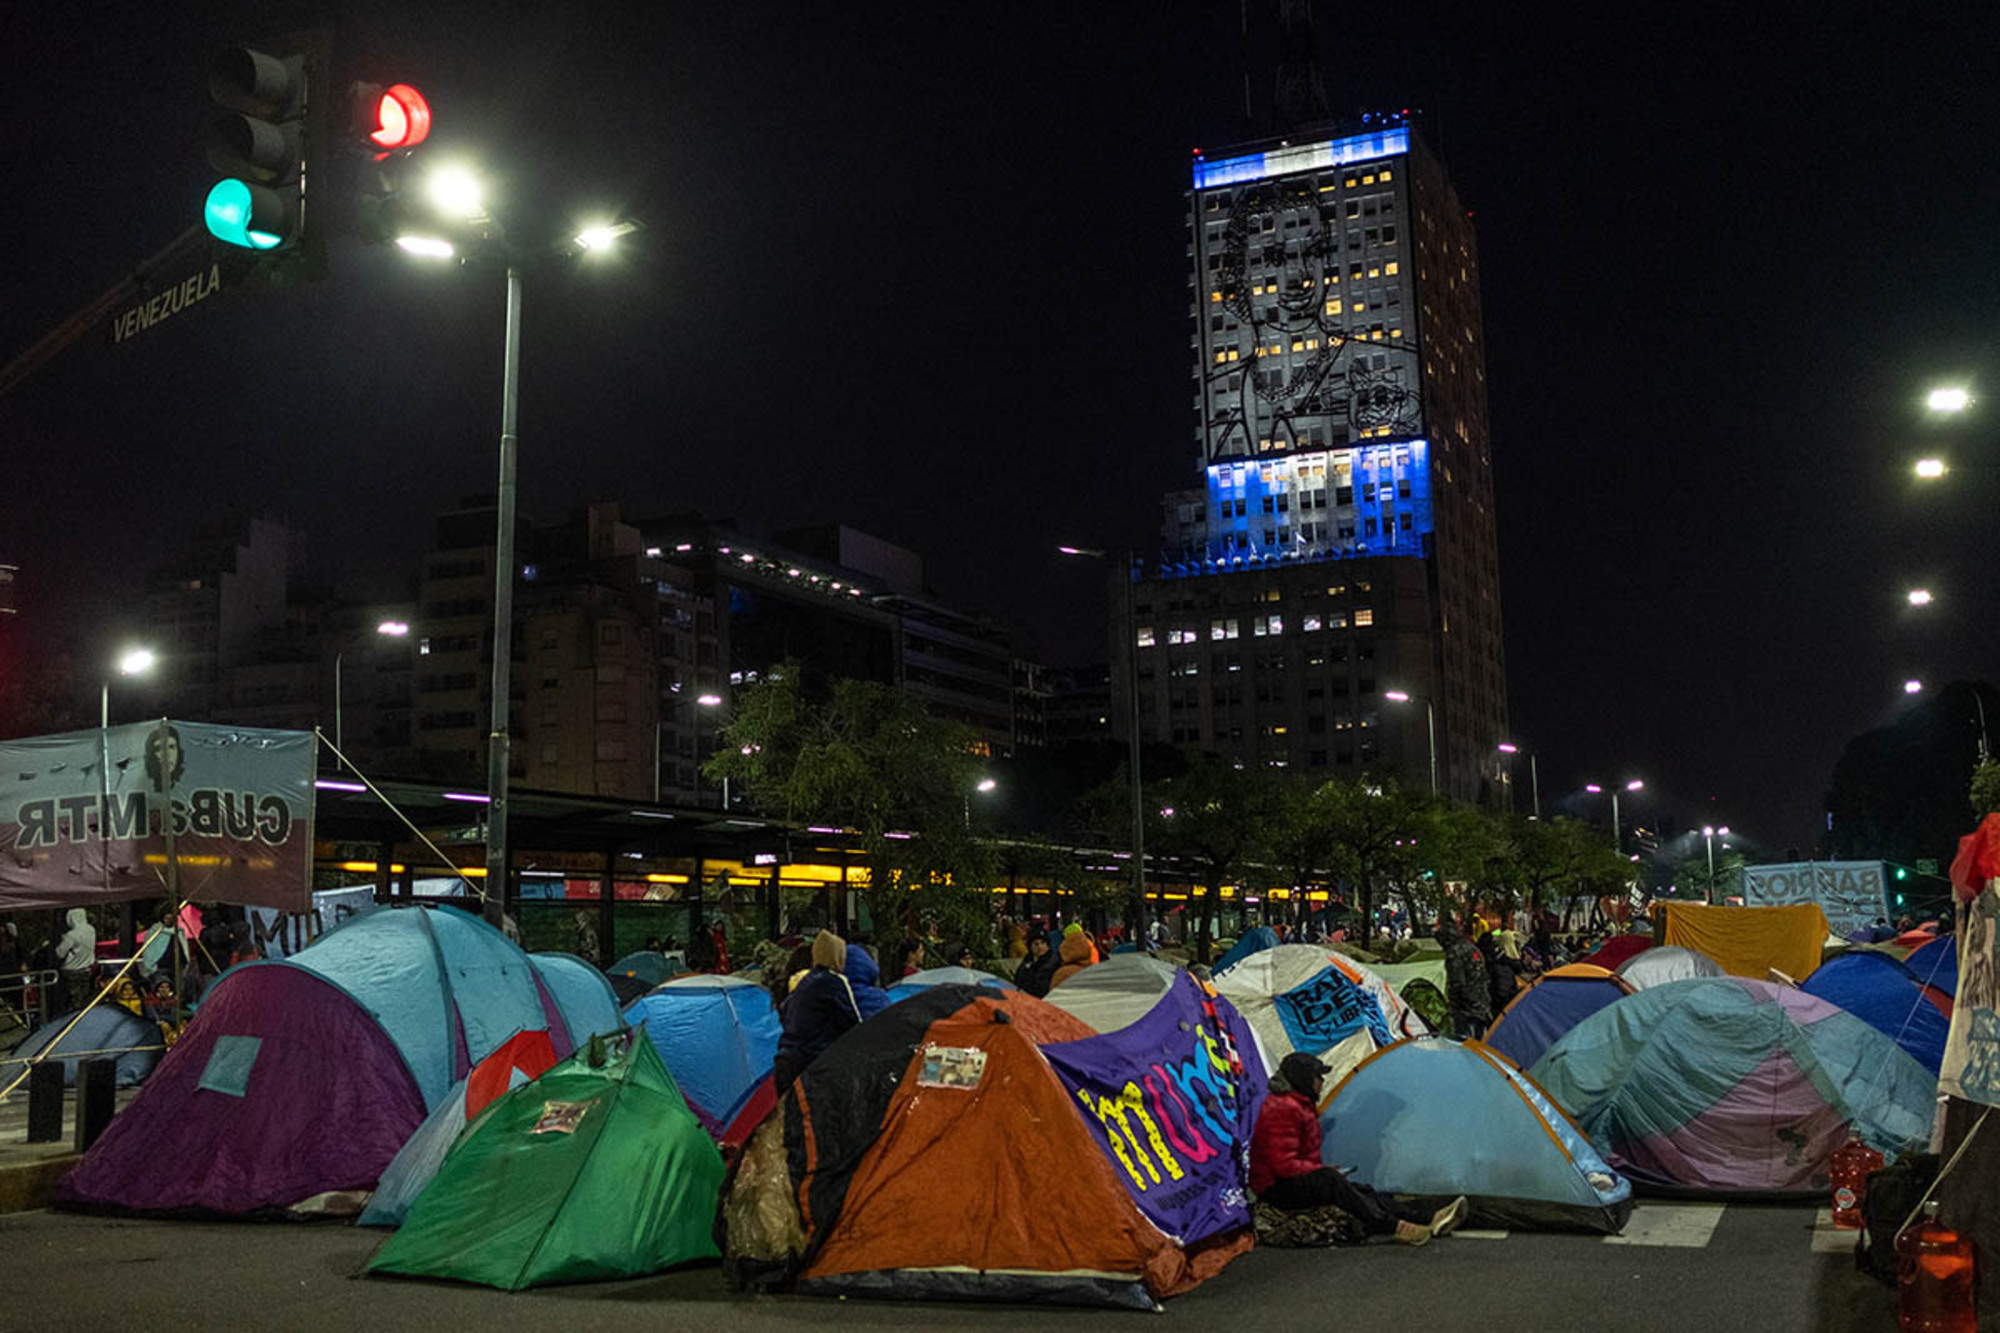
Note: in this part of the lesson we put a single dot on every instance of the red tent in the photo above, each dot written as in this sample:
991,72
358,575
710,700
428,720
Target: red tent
1614,952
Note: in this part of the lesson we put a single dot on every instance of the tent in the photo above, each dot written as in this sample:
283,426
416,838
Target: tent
1615,952
858,1185
1116,992
1888,997
1728,1085
1298,997
524,1056
1429,1116
918,982
595,1170
1255,940
647,965
1936,964
305,1076
1749,941
1558,1000
131,1043
1667,962
717,1037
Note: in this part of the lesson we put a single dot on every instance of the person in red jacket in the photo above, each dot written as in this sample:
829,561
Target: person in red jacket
1286,1171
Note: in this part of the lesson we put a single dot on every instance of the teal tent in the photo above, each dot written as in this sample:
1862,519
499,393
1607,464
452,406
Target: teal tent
595,1170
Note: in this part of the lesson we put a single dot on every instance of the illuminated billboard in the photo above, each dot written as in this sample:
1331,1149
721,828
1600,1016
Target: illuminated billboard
1368,500
1288,158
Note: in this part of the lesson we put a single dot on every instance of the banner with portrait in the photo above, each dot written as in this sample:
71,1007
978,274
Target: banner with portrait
1972,1050
114,814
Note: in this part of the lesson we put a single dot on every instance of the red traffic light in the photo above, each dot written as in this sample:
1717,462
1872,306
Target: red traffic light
392,118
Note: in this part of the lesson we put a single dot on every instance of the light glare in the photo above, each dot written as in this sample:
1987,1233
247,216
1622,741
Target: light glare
1948,400
1912,686
428,247
136,661
1930,468
458,193
1919,596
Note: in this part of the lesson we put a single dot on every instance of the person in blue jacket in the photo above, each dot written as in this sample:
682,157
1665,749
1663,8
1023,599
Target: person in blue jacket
864,978
820,1008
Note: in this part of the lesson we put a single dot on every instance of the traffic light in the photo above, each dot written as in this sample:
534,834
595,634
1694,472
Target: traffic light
269,141
390,120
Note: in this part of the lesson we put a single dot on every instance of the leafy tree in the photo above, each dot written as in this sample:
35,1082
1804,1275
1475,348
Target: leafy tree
1692,879
1986,789
1378,827
865,756
1561,860
1215,815
1299,833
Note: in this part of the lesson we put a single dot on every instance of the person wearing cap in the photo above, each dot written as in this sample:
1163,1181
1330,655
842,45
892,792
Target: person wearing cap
1286,1171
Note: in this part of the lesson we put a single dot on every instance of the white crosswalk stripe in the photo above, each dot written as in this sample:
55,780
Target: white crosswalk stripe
1686,1226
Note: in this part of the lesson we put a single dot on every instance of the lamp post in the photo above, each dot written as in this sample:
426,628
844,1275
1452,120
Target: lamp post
1709,833
1617,832
1510,749
1430,726
983,786
459,201
131,662
388,629
1137,910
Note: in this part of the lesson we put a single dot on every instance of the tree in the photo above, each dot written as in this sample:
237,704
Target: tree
1299,834
1377,826
1561,860
865,756
1986,789
1693,880
1214,815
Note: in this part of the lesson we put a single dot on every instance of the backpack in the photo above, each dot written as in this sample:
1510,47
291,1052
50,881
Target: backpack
1893,1193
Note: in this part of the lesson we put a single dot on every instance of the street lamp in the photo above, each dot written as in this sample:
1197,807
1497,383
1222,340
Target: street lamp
1709,834
1913,687
1918,597
1534,777
388,629
1948,398
1617,833
135,661
1430,726
1930,469
983,787
1137,910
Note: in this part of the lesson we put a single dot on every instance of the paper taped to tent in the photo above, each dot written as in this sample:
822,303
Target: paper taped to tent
1437,1118
1558,1000
103,1032
305,1076
717,1036
1887,996
857,1185
1748,941
595,1170
1726,1085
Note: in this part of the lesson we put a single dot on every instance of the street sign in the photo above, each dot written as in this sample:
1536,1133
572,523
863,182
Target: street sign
166,302
1926,866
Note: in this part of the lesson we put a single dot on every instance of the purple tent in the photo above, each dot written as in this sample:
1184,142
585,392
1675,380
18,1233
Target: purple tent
280,1057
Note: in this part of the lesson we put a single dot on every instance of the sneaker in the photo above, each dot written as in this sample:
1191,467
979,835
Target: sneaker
1412,1233
1446,1219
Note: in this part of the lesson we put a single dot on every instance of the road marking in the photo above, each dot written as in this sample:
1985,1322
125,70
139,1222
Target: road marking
1475,1233
1829,1239
1685,1226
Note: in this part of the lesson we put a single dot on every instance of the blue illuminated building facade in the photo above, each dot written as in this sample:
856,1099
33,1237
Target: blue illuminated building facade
1343,521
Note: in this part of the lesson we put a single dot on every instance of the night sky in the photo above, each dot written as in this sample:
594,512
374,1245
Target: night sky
919,269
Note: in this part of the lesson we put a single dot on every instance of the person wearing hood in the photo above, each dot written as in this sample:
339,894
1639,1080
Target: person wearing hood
1286,1171
820,1008
76,955
1467,987
1038,969
864,978
1075,955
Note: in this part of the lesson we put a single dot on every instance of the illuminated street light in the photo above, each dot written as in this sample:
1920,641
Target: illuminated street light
457,193
1913,686
136,661
709,700
1617,834
1510,749
987,784
604,236
1930,468
1918,597
426,247
1430,726
1950,399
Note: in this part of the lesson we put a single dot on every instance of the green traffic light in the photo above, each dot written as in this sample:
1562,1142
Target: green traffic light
1902,873
231,214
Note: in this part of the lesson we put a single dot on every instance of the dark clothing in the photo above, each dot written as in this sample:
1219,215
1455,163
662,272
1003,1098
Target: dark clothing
1035,975
820,1008
1467,988
1503,974
1377,1212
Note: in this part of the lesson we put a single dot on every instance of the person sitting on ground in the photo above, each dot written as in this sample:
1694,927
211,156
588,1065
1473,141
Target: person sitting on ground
1286,1171
1075,955
1038,969
820,1008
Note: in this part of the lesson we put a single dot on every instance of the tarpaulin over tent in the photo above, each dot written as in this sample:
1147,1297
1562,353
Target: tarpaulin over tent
717,1037
858,1184
105,1032
1429,1116
1120,990
595,1170
1749,941
1729,1085
1667,962
1885,995
1186,1070
283,1087
1558,1000
918,982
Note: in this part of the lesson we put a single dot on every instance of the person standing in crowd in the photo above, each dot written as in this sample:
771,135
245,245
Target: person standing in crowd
1076,954
820,1008
76,957
1286,1171
864,978
1503,968
913,958
585,931
1467,988
1038,969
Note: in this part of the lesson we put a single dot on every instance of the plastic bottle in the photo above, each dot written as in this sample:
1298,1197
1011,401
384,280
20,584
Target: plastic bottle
1934,1277
1849,1169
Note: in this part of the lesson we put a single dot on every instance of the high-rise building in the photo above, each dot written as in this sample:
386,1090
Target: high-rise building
1328,598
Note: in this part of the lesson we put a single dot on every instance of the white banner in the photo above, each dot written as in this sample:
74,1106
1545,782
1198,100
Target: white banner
1853,894
1972,1051
281,934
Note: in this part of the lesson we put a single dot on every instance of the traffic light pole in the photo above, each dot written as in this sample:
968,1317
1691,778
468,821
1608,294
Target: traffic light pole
497,745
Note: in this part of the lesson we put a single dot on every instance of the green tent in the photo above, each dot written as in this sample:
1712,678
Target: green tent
595,1170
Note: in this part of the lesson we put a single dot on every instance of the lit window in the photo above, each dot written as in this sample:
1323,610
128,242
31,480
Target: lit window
1363,617
1333,307
1387,174
1221,356
1311,623
1374,272
1298,346
1312,344
1392,268
1336,620
1145,637
1215,296
1360,306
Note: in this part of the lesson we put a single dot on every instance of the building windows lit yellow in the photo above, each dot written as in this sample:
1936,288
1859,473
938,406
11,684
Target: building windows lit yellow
1387,174
1360,306
1298,346
1363,617
1392,268
1395,333
1369,179
1312,344
1215,296
1232,354
1374,272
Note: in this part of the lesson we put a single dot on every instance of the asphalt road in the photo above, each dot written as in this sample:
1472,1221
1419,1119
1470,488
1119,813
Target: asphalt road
1679,1269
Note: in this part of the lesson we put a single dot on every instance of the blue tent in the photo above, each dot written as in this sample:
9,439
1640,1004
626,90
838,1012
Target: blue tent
918,982
1560,999
107,1027
1936,964
1255,939
717,1037
1888,997
1430,1116
588,1005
